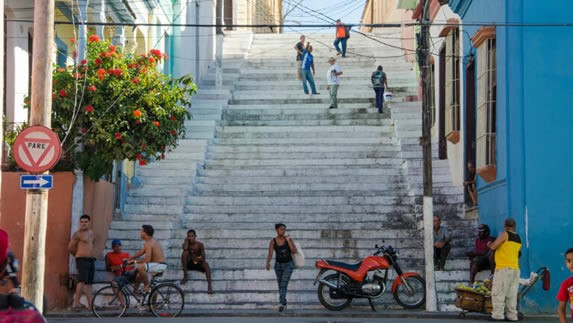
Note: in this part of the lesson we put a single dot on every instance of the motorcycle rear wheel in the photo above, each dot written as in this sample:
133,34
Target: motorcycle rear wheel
411,296
326,293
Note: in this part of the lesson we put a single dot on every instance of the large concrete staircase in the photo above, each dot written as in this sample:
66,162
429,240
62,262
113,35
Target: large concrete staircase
259,152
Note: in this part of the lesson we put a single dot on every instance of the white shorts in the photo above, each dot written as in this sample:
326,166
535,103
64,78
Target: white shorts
153,267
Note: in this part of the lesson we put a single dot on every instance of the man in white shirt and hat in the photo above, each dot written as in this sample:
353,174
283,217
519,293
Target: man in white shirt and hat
333,81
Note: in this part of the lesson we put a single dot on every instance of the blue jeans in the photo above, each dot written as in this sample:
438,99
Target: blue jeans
283,272
343,41
379,98
307,76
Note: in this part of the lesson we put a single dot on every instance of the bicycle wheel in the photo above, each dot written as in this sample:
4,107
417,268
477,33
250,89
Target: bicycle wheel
166,300
109,301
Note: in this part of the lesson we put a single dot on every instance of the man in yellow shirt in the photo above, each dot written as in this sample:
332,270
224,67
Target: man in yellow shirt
507,248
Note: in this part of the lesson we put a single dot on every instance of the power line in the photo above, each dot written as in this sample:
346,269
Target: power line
384,25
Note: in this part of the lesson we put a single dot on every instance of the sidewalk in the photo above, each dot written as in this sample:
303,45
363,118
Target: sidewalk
411,314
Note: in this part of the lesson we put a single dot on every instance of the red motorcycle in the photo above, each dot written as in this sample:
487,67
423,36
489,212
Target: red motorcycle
368,279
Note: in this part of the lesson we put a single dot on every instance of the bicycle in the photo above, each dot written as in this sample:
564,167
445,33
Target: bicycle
163,298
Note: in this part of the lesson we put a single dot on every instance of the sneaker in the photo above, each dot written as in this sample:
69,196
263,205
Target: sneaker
315,93
331,107
281,308
339,53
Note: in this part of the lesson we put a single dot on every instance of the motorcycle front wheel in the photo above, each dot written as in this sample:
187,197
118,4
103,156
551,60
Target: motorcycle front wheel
411,293
331,298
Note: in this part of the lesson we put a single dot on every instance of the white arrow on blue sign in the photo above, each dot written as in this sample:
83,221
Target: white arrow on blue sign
31,182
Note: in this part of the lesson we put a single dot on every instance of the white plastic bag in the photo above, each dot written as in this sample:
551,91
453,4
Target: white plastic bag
298,257
388,96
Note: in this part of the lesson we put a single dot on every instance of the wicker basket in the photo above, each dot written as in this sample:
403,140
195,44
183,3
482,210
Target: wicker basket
472,301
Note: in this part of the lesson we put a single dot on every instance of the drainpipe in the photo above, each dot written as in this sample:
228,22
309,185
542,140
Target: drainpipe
197,51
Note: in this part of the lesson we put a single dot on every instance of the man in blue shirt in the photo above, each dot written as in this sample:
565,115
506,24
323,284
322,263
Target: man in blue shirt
305,69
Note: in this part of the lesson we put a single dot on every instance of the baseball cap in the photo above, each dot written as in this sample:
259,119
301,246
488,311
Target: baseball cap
483,227
3,245
116,242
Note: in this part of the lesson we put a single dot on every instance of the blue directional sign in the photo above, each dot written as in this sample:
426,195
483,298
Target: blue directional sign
34,182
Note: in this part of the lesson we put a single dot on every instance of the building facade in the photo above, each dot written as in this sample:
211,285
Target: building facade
502,102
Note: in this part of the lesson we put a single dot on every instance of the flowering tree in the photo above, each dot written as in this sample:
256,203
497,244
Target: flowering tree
120,106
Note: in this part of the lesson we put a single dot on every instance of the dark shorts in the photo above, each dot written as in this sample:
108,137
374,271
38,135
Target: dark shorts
196,266
86,269
125,278
482,261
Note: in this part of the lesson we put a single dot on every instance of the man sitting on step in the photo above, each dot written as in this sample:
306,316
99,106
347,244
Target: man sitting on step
193,258
481,256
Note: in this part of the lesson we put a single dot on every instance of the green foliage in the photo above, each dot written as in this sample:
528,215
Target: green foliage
10,132
119,106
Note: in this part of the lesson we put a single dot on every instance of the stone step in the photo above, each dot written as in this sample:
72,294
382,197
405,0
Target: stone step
372,119
229,218
360,148
287,172
305,141
388,179
354,186
307,162
296,108
304,155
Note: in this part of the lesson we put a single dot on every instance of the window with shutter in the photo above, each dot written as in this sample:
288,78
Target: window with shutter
486,104
453,86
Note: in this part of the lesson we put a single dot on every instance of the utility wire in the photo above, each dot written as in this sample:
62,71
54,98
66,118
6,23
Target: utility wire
384,25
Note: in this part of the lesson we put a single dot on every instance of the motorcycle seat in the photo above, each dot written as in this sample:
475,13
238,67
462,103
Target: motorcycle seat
353,267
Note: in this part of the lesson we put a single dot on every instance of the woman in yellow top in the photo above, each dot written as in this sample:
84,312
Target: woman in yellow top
507,248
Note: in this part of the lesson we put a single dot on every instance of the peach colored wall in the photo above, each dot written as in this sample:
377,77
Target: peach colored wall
98,204
59,214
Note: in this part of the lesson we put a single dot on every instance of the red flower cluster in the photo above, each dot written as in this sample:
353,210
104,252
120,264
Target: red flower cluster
115,71
101,73
89,109
155,52
156,123
83,62
94,39
98,61
136,80
92,88
118,136
137,113
63,93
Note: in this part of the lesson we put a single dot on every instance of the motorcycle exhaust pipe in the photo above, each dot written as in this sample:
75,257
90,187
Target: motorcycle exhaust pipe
327,283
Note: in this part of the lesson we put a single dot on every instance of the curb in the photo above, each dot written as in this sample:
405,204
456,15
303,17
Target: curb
309,313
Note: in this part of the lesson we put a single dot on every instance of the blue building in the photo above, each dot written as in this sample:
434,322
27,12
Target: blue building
508,105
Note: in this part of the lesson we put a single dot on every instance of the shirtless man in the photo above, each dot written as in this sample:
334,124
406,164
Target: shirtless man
81,247
193,258
154,260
